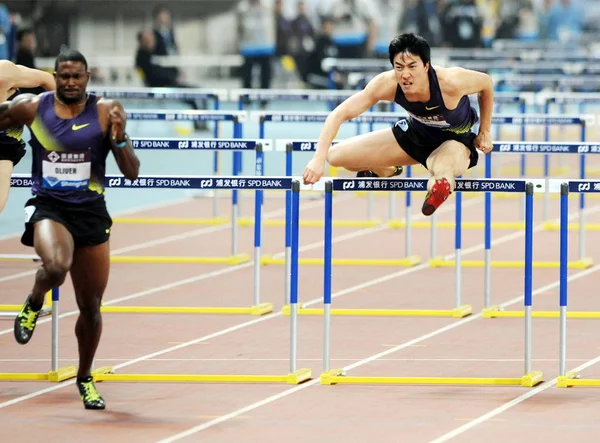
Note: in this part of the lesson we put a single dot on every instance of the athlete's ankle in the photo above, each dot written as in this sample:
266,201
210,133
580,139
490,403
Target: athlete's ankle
36,303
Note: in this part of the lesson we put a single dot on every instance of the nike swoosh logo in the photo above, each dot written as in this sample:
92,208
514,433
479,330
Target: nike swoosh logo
431,109
78,127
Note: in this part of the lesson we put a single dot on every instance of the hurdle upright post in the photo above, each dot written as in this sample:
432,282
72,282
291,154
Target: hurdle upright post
294,276
487,284
528,289
564,247
55,313
259,172
288,226
457,250
327,274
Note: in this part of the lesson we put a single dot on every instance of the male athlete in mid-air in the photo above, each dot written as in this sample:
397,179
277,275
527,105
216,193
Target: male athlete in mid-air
437,133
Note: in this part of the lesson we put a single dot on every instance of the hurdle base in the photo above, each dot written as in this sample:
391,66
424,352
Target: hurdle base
452,225
554,226
249,221
230,260
497,311
171,221
61,374
577,264
337,376
460,312
294,378
407,262
257,310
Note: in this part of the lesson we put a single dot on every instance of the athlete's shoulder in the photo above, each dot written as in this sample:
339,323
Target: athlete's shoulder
383,85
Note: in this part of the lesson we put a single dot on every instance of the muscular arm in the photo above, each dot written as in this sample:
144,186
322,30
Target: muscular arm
127,160
467,82
382,87
17,76
20,111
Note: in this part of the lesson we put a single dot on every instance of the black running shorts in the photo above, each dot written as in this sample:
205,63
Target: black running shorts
13,152
89,223
420,147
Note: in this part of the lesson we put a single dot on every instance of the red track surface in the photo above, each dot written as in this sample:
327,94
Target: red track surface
213,344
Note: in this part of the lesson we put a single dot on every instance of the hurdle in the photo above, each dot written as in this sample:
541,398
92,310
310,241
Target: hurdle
295,375
56,374
236,117
258,308
571,378
564,188
334,376
145,93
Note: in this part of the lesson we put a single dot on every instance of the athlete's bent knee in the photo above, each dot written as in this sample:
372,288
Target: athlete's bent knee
56,272
335,157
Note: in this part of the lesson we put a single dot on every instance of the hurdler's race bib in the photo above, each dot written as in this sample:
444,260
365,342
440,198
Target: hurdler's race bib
66,170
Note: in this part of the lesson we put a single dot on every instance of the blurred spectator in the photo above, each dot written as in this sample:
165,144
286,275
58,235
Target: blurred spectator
415,19
25,55
256,30
463,22
565,21
389,16
324,47
354,31
157,76
164,37
5,32
303,41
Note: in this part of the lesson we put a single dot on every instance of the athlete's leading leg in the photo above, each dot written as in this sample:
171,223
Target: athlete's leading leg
450,160
377,151
54,244
89,274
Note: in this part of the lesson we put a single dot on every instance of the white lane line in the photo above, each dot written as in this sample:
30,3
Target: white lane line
508,405
362,362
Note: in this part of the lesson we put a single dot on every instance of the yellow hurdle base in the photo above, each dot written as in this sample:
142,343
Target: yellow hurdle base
553,226
577,264
409,262
262,309
294,378
232,260
316,223
460,312
452,225
336,376
171,221
62,374
497,312
571,379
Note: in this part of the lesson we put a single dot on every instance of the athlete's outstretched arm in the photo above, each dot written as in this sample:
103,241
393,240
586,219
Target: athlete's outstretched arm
17,76
122,148
382,87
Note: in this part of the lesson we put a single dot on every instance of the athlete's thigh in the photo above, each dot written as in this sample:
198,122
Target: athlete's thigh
373,149
53,242
450,153
6,170
89,273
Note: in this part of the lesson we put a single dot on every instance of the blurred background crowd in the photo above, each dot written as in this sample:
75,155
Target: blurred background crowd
269,43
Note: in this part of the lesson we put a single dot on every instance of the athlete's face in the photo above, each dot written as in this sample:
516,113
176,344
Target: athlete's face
71,81
411,73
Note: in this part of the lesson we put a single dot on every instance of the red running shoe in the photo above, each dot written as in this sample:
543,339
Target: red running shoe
438,195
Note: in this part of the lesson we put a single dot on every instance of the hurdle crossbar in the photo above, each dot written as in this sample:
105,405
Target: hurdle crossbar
530,378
